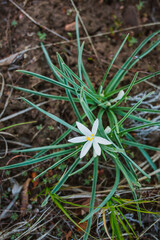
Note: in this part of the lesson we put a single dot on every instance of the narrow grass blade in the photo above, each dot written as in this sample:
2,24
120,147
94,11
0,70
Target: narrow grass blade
84,167
126,93
130,62
54,199
111,93
114,120
78,42
50,63
87,79
131,110
75,109
139,119
139,110
135,165
122,225
127,222
66,145
92,201
117,178
121,167
135,144
109,67
55,97
62,180
65,176
37,160
59,162
139,127
16,125
85,107
144,153
88,92
46,79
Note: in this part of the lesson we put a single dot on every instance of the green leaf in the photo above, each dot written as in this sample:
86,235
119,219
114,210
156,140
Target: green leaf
111,93
50,63
62,180
145,154
75,109
85,107
126,93
131,61
138,110
114,188
66,145
46,79
72,154
109,67
135,144
139,127
84,167
94,184
15,125
38,159
131,110
139,119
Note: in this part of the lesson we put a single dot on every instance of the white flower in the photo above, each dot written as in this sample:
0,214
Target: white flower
90,138
119,96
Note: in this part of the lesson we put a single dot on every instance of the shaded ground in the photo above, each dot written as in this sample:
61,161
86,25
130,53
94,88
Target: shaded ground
20,33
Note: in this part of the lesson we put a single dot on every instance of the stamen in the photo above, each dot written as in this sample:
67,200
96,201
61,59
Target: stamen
90,138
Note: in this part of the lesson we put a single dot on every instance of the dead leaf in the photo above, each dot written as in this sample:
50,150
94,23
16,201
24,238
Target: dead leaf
24,196
82,225
35,183
11,59
50,172
85,210
68,235
70,27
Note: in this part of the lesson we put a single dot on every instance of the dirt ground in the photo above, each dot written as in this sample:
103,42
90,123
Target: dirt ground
23,25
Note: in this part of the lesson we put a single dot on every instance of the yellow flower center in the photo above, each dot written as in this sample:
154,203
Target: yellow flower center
90,138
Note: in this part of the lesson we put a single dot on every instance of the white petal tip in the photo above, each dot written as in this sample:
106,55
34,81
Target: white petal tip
120,95
107,130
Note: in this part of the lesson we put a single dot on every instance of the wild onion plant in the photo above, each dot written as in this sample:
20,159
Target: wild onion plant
107,141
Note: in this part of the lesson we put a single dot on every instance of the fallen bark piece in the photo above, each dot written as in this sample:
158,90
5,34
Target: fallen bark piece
24,196
11,59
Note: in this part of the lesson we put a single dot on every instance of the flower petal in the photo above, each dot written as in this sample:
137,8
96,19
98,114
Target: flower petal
120,95
95,126
102,141
83,129
77,139
96,147
107,130
86,148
